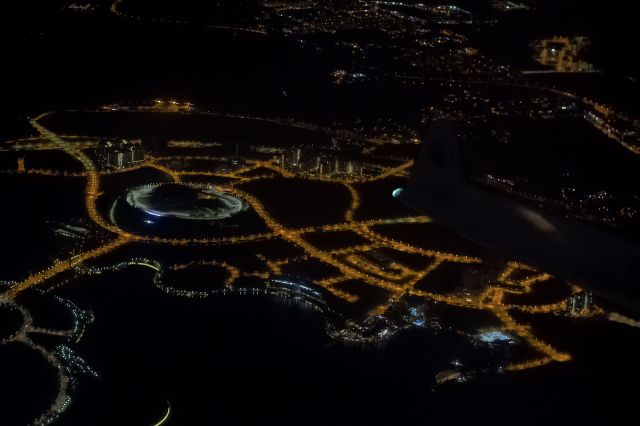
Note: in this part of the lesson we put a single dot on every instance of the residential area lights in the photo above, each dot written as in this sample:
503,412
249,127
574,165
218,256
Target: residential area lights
347,261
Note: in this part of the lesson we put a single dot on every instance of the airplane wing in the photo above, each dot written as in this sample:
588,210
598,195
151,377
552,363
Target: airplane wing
567,248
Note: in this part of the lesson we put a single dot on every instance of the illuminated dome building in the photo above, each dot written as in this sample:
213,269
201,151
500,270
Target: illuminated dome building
185,202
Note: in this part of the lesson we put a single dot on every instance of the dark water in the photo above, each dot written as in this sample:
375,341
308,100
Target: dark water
27,221
10,321
252,359
246,359
28,384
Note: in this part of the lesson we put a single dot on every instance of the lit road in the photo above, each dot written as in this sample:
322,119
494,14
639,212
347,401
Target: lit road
349,261
62,266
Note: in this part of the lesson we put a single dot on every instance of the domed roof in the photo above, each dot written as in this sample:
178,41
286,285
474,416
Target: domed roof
177,196
184,201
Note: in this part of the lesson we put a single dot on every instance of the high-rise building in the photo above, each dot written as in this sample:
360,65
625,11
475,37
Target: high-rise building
119,154
579,303
296,158
320,164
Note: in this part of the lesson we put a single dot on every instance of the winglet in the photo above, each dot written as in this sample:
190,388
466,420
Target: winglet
437,169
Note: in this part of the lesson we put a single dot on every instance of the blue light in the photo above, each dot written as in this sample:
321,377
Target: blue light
494,336
396,192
